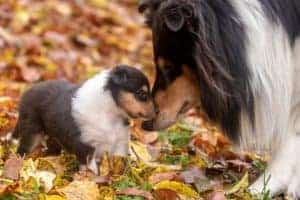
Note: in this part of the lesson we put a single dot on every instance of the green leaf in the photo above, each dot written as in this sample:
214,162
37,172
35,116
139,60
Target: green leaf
124,197
179,140
182,160
124,183
147,186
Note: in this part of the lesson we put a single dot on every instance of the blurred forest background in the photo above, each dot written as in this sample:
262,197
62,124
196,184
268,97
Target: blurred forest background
73,40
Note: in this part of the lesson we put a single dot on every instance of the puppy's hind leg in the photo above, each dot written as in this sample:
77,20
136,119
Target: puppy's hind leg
30,133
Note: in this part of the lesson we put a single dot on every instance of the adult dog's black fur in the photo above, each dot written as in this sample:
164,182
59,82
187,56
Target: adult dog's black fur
239,61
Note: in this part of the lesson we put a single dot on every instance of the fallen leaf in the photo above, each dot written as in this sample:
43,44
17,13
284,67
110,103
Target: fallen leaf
166,176
242,184
12,168
178,187
104,165
106,193
102,179
46,179
136,192
166,194
80,190
139,150
51,197
30,74
192,174
217,195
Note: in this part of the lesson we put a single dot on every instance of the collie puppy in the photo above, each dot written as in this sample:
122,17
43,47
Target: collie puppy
239,61
86,119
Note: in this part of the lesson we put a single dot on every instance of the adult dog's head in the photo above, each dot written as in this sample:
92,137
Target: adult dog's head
195,48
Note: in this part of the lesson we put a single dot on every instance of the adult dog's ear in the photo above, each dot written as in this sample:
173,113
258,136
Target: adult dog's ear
148,8
175,16
144,5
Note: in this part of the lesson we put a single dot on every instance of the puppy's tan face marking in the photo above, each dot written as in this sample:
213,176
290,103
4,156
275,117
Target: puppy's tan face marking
181,95
135,107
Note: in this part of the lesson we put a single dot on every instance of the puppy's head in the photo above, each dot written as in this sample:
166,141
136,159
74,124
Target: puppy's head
130,90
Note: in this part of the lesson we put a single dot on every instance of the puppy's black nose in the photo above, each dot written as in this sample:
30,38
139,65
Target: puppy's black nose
148,125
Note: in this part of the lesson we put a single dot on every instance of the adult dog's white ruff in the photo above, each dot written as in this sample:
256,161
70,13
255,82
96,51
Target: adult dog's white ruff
99,118
275,68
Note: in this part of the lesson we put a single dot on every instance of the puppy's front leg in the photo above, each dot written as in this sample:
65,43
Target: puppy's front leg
86,156
92,164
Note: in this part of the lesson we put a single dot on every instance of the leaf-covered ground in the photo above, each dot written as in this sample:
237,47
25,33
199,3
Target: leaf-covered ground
41,40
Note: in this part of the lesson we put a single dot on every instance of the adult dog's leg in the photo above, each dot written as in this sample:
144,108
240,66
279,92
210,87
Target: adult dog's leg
284,169
280,170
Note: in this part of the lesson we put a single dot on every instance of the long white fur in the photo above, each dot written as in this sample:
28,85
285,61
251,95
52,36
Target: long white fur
275,68
99,118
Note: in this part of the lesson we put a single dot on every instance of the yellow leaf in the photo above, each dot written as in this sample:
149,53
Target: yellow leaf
242,184
51,197
81,190
178,187
106,193
22,16
139,151
104,166
28,169
46,178
99,3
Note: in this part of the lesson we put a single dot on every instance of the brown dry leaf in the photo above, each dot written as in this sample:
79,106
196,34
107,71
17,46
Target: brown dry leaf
192,174
12,167
180,188
149,137
165,194
217,195
102,180
136,192
80,190
165,176
31,74
8,114
239,165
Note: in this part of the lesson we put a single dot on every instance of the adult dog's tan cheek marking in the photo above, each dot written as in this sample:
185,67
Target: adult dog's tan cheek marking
135,108
183,90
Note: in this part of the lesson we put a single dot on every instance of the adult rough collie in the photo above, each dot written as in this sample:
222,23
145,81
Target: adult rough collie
239,60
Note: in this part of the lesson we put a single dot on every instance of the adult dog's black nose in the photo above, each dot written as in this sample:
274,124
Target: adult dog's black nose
148,125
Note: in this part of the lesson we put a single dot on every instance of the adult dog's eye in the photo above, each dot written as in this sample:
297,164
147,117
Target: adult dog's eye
171,73
141,95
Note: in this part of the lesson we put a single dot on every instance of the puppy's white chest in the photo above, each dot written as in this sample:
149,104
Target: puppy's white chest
106,136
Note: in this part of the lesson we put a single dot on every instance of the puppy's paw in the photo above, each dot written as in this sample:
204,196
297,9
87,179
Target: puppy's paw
91,166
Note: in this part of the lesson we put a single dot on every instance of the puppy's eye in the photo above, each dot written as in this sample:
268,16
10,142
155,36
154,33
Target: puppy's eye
141,95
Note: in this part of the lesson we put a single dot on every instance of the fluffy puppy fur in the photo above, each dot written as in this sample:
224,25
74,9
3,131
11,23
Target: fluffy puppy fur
239,60
86,119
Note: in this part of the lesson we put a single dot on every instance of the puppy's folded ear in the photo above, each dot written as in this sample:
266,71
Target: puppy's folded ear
175,16
119,77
